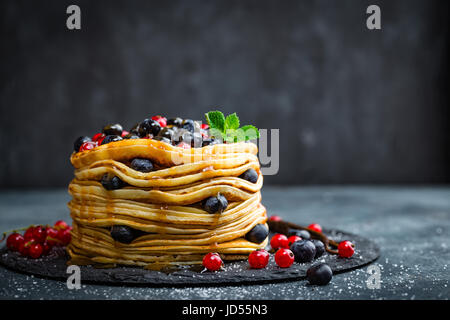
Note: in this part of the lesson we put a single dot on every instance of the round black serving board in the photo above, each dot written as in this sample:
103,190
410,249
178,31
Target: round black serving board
54,266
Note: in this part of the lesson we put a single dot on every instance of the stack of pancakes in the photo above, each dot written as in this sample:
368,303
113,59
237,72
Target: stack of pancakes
164,205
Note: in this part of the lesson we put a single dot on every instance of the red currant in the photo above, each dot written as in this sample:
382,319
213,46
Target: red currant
52,236
258,259
87,146
315,227
284,258
162,120
14,241
24,248
46,247
39,234
292,239
275,218
184,145
64,236
345,249
35,250
212,261
124,133
60,224
28,235
279,241
204,126
97,136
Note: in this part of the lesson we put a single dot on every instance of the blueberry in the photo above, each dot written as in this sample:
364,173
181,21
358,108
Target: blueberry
162,139
319,274
131,136
122,234
77,144
305,235
250,175
111,183
142,165
188,124
175,122
135,129
111,138
320,248
258,234
149,126
215,204
304,250
112,130
166,133
209,142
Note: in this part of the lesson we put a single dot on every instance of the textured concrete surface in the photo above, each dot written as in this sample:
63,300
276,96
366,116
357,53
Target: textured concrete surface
411,225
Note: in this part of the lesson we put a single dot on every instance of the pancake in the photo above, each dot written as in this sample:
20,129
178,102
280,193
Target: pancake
164,207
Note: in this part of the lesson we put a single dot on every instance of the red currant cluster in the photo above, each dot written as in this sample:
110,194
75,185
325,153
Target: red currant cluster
39,240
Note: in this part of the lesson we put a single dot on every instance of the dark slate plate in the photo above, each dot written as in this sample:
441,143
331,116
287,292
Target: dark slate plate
54,266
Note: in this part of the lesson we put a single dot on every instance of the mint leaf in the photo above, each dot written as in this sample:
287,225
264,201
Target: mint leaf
234,135
251,132
216,120
216,133
232,121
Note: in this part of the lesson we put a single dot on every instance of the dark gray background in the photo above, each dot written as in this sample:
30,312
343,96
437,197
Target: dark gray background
353,105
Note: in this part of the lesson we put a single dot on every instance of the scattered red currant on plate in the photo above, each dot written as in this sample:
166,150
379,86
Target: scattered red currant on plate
28,235
64,236
39,234
24,248
52,236
275,218
212,261
258,259
14,241
292,239
60,224
345,249
315,227
35,250
284,258
279,241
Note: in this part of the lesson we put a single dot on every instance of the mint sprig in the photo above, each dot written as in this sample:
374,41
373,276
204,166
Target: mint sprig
228,128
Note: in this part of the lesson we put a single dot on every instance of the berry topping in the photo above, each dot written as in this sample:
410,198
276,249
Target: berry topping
161,120
149,126
258,259
77,144
89,145
35,250
209,142
177,122
189,125
292,239
275,218
315,227
257,234
162,139
250,175
204,126
304,250
113,130
305,235
142,165
14,241
166,133
279,241
124,134
184,145
122,234
212,261
345,249
96,137
111,183
284,258
319,274
111,138
131,136
216,204
39,234
320,248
